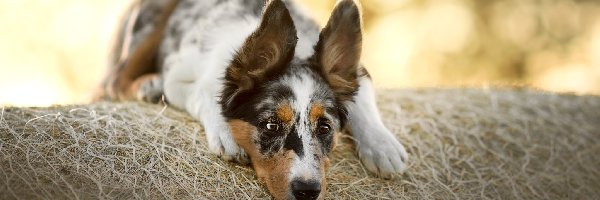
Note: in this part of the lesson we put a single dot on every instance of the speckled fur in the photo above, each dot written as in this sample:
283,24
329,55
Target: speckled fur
233,65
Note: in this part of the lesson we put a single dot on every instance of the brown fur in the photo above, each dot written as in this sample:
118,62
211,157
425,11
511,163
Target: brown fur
285,113
242,134
266,51
272,171
339,48
125,78
316,111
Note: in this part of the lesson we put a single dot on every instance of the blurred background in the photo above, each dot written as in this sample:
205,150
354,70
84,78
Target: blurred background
54,51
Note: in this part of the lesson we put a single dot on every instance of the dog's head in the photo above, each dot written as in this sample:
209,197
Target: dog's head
285,111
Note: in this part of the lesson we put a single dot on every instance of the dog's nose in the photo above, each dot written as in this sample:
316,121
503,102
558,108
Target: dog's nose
305,189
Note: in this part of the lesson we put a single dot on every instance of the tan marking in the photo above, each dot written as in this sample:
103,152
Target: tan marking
124,73
139,64
242,135
272,171
316,111
285,113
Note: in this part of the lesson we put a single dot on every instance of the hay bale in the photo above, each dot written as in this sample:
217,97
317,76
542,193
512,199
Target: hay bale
464,144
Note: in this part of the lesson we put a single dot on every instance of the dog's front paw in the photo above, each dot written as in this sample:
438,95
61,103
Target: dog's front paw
382,154
223,145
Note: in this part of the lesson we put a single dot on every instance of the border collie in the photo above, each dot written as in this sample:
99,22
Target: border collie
269,86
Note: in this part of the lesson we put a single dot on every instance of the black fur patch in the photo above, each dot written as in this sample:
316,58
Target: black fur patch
293,142
269,144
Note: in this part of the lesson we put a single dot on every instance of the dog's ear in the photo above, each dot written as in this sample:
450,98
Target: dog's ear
337,54
265,53
268,50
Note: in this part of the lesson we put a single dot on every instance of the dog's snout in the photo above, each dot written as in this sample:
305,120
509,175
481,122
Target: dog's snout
305,189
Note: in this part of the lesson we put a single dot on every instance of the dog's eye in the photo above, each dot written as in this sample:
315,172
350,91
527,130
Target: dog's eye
270,126
324,129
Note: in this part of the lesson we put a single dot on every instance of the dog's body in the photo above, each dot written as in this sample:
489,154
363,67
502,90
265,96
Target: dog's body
264,80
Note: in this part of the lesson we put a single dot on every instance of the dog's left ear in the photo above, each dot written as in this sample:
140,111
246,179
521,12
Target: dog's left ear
264,54
268,49
337,53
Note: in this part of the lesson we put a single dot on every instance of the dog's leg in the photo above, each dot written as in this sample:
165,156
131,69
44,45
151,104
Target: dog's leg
135,56
199,96
220,140
378,149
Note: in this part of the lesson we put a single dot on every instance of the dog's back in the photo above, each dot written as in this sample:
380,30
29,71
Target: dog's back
153,32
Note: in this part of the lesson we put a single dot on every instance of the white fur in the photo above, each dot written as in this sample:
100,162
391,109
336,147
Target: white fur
377,148
194,80
305,168
307,35
304,47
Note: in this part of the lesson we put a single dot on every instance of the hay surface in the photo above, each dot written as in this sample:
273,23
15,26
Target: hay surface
464,144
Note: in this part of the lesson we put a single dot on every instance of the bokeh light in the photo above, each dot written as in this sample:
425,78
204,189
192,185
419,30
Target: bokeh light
54,52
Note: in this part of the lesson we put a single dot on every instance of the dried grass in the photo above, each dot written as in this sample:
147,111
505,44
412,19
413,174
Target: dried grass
464,144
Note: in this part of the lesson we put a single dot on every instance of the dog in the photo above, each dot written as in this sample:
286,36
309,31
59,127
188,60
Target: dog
269,86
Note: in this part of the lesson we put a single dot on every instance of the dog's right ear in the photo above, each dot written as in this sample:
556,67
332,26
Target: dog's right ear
337,54
265,53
